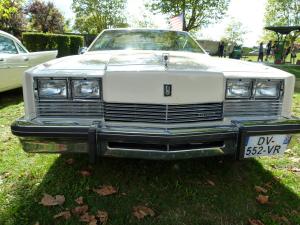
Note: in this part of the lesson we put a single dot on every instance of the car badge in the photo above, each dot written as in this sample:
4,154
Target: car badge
167,90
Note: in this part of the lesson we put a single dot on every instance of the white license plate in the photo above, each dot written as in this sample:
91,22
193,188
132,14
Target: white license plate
267,145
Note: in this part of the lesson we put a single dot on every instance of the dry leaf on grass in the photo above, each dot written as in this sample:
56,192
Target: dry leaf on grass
49,200
260,189
79,200
294,169
80,209
280,219
262,199
70,161
105,190
64,215
210,182
103,216
141,211
255,222
85,173
91,219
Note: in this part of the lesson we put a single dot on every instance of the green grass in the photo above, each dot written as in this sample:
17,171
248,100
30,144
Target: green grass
177,191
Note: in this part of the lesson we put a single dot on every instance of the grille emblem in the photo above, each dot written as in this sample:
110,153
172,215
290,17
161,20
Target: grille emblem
167,90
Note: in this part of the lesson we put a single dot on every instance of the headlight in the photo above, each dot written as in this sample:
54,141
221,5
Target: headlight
238,88
48,88
267,89
86,88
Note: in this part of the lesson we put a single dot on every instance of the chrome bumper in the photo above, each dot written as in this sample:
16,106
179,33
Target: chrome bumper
149,143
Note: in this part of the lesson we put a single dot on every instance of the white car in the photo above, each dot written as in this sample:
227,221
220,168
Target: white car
155,94
15,59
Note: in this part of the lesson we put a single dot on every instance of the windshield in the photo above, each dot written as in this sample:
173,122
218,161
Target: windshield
145,40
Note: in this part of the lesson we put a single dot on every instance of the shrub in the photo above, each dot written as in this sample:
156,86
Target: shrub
65,44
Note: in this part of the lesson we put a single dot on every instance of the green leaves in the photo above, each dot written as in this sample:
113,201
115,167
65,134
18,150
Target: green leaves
12,18
198,13
92,16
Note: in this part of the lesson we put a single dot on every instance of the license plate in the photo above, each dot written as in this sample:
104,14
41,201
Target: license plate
267,145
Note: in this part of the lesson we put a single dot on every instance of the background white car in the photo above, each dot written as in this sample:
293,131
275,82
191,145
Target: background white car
15,59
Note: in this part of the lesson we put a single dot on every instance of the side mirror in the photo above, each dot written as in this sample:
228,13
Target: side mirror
82,50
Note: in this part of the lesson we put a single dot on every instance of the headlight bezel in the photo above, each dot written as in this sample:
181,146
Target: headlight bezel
43,97
239,80
69,89
280,88
74,96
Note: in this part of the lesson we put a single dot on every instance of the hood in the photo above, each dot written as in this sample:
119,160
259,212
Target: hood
154,61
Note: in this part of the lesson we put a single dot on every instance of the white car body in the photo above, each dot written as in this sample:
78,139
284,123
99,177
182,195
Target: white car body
13,65
153,98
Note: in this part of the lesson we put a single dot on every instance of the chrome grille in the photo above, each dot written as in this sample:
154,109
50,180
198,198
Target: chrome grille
154,113
69,108
252,108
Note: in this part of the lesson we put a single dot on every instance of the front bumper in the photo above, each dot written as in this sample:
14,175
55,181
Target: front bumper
150,143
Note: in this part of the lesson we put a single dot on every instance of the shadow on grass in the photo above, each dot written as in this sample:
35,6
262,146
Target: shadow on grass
12,97
178,191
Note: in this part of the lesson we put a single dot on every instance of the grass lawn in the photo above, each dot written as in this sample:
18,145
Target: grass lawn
214,191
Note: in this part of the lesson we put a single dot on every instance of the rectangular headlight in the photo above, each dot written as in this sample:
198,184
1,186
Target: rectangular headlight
89,88
52,88
238,88
267,89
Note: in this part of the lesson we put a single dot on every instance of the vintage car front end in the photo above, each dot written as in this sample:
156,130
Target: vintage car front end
156,105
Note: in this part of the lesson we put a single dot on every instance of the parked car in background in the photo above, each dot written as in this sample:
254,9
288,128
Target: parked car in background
155,94
15,59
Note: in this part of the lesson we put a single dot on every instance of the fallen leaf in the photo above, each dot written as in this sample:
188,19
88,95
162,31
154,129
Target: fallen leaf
268,184
105,190
280,219
295,212
103,216
65,215
70,161
141,211
93,222
294,169
210,182
49,200
85,173
262,199
260,189
288,150
88,218
295,159
5,174
255,222
79,200
80,209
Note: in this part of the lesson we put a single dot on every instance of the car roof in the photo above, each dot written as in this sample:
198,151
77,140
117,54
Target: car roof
5,34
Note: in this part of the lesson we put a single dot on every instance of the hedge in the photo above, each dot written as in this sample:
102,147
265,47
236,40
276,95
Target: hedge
65,44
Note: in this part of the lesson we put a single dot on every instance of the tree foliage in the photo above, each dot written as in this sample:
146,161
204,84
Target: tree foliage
198,13
92,16
235,32
282,13
12,18
45,17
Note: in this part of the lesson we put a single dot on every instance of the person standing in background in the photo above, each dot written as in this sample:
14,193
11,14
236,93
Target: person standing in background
287,52
221,49
268,53
261,52
293,55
